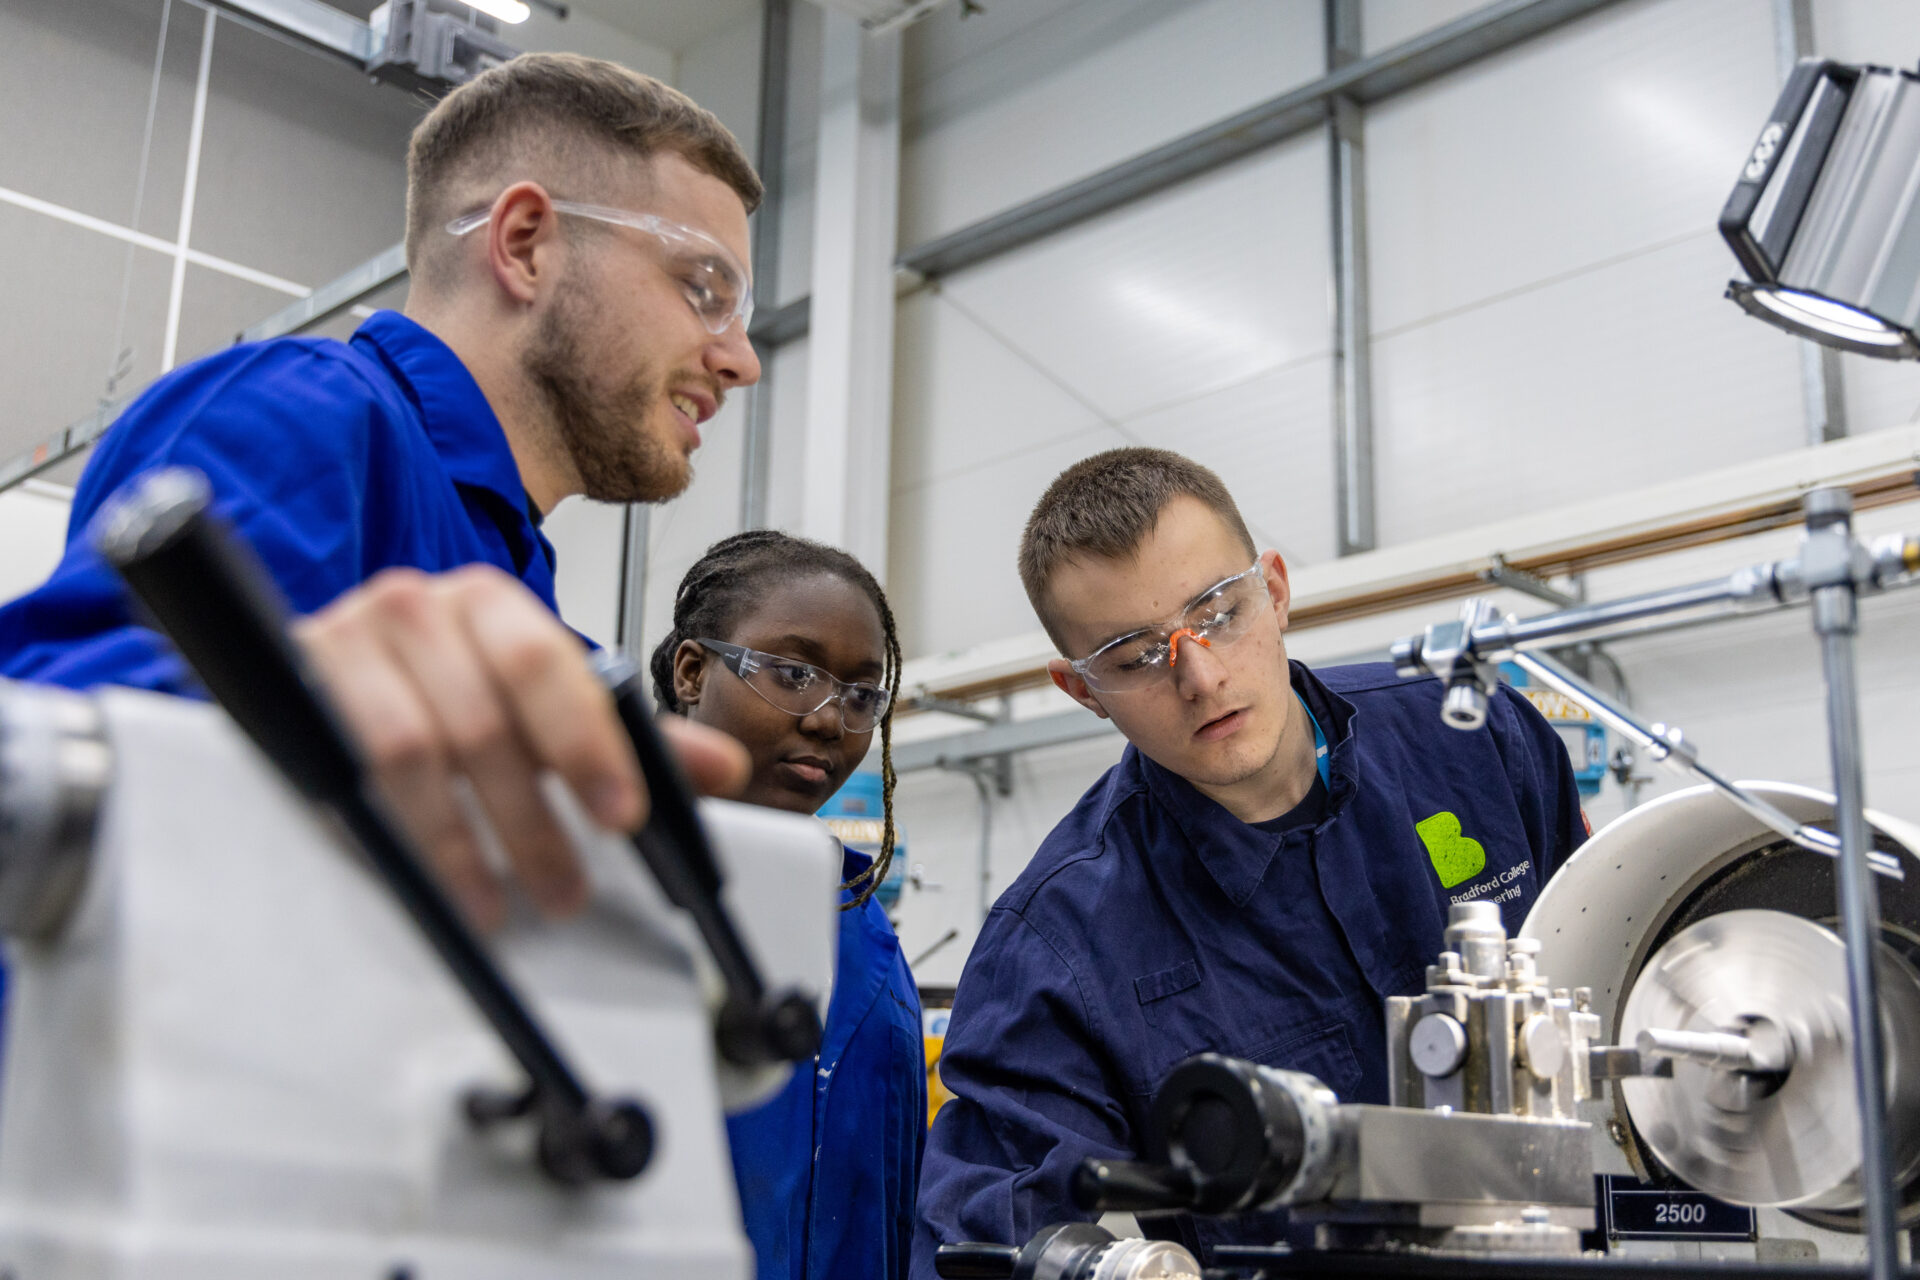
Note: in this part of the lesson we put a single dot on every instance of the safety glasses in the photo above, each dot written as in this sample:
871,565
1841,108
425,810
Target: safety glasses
715,283
800,689
1214,619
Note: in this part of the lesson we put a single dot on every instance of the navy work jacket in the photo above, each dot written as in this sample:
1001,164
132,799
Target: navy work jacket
335,460
1152,925
827,1169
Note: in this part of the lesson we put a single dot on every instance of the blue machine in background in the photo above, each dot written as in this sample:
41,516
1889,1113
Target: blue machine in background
1585,737
857,816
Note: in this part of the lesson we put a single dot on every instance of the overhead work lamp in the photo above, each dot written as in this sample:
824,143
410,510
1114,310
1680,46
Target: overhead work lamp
1826,216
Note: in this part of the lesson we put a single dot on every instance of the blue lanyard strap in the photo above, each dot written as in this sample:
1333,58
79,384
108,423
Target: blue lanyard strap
1319,744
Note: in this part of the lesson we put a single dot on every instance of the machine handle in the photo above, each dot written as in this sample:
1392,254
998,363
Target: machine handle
755,1027
1131,1186
975,1261
214,599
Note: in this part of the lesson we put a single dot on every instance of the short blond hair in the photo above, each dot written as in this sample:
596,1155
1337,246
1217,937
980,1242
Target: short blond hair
552,118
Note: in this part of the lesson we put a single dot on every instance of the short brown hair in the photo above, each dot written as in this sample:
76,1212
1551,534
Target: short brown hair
1105,506
553,118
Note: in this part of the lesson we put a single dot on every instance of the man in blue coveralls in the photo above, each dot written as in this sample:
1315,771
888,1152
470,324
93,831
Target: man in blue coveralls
577,242
1271,858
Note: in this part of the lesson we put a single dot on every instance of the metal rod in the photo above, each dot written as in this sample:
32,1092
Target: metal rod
1836,618
1586,621
1667,746
776,57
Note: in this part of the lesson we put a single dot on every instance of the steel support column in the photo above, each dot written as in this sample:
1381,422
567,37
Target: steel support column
846,474
1352,367
776,69
634,526
1822,394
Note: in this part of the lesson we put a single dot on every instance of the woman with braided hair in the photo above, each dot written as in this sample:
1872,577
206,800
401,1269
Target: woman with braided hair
789,646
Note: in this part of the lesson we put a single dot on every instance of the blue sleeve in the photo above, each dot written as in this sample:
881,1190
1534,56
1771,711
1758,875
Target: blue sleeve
282,432
1541,776
1031,1098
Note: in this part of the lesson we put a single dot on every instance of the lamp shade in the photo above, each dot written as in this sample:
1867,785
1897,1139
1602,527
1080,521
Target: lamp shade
1825,218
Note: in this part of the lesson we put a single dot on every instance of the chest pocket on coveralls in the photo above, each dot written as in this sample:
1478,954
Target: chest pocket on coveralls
1184,1016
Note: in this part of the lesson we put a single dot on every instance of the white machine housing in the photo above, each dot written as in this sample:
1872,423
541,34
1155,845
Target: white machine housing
239,1058
1599,916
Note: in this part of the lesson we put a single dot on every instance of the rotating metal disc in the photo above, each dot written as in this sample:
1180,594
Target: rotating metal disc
1799,1145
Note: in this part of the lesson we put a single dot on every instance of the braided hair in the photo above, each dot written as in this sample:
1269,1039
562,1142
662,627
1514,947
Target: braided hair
719,589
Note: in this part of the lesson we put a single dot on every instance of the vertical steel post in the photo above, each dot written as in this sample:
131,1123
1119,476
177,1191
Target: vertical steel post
634,523
776,48
1828,560
1822,391
1352,367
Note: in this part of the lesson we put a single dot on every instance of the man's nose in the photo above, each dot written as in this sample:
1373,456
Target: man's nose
732,359
1198,670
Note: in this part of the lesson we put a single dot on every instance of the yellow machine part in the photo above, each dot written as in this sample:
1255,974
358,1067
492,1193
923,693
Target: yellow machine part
937,1093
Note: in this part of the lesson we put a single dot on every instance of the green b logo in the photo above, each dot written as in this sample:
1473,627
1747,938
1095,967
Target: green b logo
1455,857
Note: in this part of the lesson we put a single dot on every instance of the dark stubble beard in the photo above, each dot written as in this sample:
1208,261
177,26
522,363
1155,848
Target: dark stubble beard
604,432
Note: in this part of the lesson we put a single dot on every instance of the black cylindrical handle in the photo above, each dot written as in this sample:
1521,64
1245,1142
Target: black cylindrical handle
755,1027
975,1261
1130,1186
227,618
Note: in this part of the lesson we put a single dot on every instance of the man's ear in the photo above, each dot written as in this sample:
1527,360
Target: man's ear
1279,590
523,228
689,671
1068,681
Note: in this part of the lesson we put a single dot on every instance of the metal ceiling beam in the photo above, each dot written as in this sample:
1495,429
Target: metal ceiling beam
311,23
1405,66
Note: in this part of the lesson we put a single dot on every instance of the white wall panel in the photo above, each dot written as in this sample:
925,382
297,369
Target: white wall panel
1086,86
680,531
586,580
1271,440
1385,23
1880,393
1594,384
786,448
33,533
1620,131
964,398
1177,295
952,574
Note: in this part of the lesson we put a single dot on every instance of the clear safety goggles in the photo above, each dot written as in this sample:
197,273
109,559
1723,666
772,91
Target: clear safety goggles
801,689
1213,619
715,283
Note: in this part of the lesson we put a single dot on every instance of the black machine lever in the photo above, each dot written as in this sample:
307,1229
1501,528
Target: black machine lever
755,1026
212,597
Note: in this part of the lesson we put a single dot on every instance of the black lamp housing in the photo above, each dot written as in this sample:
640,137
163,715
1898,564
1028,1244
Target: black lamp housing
1826,216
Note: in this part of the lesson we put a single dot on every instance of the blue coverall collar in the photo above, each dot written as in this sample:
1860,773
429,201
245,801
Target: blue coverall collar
465,431
1238,854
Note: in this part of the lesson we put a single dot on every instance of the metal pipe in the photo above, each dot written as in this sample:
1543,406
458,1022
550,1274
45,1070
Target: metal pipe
1829,555
776,57
1668,746
1590,621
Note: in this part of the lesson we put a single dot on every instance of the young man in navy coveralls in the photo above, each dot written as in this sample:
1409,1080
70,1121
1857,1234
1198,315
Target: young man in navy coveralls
1271,858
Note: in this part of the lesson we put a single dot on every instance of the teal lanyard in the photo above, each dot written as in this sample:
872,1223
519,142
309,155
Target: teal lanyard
1319,744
